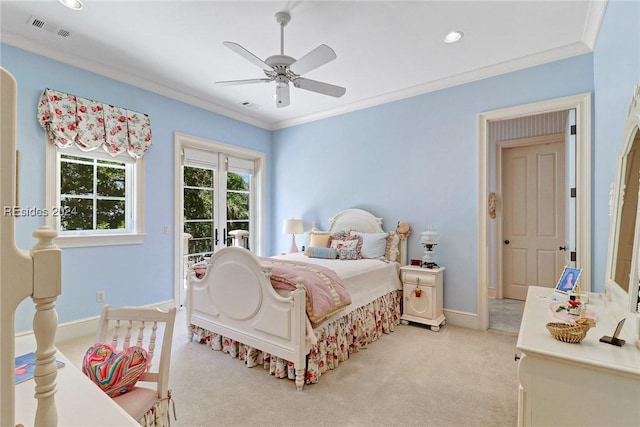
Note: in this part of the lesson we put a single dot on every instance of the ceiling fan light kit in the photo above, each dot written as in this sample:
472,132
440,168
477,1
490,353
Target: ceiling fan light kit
284,69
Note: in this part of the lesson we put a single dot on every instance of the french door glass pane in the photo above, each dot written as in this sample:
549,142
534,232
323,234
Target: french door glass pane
200,246
198,177
198,204
198,229
238,202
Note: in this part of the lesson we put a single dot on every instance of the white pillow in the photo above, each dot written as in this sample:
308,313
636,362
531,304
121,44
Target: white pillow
374,245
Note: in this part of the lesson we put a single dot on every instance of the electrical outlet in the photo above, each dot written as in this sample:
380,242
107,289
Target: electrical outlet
100,296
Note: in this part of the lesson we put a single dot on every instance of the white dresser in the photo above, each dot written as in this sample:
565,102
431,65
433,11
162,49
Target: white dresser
585,384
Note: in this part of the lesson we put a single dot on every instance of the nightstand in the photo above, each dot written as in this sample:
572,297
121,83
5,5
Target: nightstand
422,296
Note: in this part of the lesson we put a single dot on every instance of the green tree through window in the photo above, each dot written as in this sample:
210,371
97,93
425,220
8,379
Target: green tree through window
199,192
93,194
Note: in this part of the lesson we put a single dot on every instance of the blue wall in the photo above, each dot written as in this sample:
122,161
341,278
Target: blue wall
413,160
616,69
132,274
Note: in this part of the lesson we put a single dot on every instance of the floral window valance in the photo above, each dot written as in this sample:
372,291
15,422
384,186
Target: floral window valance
69,119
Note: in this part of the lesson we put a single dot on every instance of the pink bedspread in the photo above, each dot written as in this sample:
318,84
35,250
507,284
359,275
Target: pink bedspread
326,294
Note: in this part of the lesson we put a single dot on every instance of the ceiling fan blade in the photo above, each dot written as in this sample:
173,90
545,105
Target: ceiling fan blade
243,82
319,87
282,95
314,59
248,55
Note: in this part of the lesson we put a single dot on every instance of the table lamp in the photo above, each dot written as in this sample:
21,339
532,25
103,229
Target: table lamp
292,226
429,239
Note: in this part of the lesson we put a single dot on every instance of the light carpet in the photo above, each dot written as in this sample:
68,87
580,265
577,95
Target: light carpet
411,377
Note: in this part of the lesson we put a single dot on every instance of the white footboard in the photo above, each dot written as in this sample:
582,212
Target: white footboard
235,299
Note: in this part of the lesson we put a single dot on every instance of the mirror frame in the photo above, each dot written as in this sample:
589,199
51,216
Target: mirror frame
625,302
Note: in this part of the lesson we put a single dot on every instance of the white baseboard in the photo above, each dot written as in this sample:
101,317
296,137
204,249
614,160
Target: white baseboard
461,318
81,328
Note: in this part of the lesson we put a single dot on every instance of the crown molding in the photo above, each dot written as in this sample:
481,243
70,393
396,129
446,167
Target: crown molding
521,63
125,77
596,13
595,16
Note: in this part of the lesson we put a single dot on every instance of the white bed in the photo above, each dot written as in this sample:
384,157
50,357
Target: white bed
235,308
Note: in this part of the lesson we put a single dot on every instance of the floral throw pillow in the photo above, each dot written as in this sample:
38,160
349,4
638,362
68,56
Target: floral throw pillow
352,243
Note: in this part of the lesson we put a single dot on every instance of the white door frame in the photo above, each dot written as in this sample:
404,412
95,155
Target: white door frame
582,104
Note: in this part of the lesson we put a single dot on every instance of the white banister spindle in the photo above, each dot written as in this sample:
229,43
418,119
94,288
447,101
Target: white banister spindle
140,339
127,338
152,341
47,285
45,323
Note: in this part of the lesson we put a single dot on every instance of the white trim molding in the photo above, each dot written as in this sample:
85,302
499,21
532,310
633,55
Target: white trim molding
582,105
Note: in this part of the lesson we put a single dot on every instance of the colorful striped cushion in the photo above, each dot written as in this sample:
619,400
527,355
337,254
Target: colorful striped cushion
114,372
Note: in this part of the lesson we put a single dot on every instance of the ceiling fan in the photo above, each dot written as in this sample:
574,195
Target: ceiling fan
284,69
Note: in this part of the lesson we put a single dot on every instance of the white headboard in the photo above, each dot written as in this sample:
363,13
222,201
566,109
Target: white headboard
365,222
357,220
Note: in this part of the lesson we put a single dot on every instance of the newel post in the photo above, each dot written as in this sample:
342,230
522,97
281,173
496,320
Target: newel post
47,285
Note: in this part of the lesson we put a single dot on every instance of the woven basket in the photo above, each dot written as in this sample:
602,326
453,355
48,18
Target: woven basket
566,332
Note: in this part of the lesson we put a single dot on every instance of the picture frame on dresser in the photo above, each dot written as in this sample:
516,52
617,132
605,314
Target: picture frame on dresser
568,280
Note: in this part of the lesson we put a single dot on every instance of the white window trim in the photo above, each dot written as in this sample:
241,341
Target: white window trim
52,174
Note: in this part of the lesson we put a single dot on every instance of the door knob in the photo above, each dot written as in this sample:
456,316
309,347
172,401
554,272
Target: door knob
506,242
563,248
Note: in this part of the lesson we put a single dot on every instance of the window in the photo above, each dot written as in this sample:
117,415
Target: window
94,199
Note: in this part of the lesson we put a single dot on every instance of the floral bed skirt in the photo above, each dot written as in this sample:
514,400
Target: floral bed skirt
336,341
160,414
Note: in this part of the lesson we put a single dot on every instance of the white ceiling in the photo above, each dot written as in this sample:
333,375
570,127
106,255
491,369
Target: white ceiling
386,50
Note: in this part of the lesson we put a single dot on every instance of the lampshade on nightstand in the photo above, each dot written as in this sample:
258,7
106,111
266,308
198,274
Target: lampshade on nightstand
292,226
429,239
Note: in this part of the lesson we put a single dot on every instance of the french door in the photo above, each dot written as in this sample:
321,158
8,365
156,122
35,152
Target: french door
219,200
216,199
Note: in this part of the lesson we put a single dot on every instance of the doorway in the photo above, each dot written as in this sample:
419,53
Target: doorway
488,239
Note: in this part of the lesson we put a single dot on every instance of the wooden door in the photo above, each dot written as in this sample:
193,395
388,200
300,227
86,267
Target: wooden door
534,200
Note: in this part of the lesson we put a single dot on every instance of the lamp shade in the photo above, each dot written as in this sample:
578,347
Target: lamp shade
292,226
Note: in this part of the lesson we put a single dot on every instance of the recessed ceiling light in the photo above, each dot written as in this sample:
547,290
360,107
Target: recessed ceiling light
453,36
72,4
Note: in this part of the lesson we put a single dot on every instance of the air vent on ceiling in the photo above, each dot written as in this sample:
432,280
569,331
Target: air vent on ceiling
48,26
250,105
